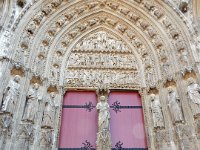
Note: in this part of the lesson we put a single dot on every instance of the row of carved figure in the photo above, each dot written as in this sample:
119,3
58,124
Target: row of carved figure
33,100
174,104
93,78
102,41
102,61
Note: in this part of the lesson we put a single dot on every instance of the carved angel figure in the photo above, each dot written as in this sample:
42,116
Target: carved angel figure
10,95
156,109
49,111
174,105
104,114
31,103
193,91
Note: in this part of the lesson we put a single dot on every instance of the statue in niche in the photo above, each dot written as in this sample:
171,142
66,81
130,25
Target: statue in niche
49,111
149,74
193,91
184,58
10,95
156,109
57,57
74,60
38,18
55,72
39,63
174,105
31,104
103,136
165,66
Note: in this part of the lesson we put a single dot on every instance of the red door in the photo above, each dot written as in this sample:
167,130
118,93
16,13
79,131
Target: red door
79,121
127,123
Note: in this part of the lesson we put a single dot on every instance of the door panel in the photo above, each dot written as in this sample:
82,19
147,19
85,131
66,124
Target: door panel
127,123
79,121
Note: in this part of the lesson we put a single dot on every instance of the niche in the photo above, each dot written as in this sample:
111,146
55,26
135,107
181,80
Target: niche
21,3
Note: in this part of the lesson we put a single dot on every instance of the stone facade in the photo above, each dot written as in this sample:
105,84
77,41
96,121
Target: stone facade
50,46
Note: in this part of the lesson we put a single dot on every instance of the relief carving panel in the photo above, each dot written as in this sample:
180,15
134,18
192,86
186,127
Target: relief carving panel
101,58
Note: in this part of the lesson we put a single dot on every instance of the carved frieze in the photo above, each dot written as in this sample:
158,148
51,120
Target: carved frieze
94,78
102,60
100,42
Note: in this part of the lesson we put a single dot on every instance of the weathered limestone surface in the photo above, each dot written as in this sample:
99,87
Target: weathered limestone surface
49,46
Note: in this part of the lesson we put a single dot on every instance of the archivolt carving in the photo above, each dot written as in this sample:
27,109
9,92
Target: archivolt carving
124,11
152,34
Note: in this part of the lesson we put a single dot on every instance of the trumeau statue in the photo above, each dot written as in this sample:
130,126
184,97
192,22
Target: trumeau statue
104,114
174,106
10,95
104,138
31,104
49,111
156,109
193,91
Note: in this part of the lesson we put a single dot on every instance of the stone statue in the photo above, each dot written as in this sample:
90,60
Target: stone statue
39,63
156,109
174,105
149,74
10,95
49,112
104,114
193,91
184,58
31,103
103,136
55,72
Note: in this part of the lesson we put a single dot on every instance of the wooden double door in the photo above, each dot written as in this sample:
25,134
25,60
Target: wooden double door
79,121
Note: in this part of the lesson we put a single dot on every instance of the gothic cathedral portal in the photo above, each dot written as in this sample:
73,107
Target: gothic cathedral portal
100,74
